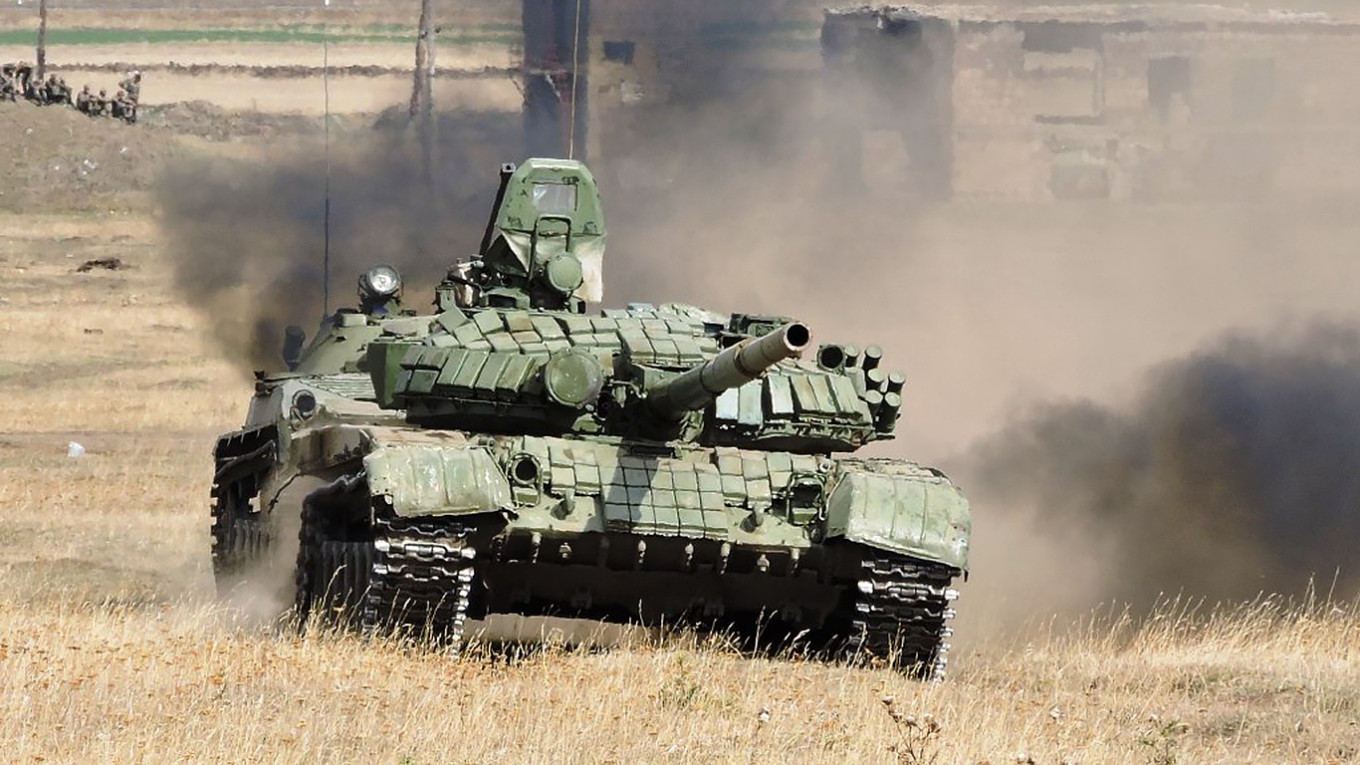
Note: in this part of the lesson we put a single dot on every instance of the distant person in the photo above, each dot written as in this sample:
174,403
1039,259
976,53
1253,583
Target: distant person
23,74
55,92
100,107
36,91
124,108
8,91
85,102
132,86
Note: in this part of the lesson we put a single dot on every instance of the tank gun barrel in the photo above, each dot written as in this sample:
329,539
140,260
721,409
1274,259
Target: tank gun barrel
735,366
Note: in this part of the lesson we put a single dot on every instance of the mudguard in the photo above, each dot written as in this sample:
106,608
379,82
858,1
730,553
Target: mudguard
902,508
448,478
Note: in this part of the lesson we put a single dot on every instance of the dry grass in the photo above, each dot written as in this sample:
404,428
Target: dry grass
178,681
103,350
111,649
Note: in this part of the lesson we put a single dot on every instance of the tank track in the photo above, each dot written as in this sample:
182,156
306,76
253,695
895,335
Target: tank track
240,536
238,541
902,613
416,579
411,579
421,579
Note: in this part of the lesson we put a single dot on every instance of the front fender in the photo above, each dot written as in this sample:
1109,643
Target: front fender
905,509
453,478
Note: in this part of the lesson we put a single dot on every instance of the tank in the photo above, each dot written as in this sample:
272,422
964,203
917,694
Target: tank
512,453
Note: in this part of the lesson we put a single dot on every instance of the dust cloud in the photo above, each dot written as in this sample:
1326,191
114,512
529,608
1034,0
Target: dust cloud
248,237
1234,470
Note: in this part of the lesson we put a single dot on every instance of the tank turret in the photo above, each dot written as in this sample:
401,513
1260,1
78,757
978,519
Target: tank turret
669,373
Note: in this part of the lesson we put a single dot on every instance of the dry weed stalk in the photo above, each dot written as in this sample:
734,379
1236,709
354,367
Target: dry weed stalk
917,737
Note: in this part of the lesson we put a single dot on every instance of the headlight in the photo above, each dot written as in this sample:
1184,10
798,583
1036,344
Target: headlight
304,405
380,281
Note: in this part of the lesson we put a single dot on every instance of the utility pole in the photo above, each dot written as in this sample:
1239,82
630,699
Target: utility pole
422,98
326,188
420,92
42,40
555,88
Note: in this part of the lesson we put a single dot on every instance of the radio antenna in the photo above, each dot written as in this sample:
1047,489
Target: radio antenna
326,153
575,63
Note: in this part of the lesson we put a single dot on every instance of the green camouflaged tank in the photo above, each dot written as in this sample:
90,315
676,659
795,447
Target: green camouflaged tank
512,454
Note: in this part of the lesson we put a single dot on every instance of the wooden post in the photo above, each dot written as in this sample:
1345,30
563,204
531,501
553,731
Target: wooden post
41,72
420,91
422,97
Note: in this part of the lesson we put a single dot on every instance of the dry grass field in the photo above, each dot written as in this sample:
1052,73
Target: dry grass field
176,681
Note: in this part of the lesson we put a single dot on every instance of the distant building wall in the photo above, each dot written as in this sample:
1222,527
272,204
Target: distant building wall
1122,110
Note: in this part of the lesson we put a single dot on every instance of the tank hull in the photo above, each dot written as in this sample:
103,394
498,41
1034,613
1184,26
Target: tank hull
429,577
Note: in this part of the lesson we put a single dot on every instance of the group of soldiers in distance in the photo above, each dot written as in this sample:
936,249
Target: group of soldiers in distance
18,81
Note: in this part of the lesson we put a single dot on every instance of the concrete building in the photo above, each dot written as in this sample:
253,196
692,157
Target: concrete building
1111,102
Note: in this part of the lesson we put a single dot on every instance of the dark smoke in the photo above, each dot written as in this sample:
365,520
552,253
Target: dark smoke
1236,470
248,236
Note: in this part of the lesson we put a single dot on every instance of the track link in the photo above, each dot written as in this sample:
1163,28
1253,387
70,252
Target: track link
421,580
902,613
413,579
